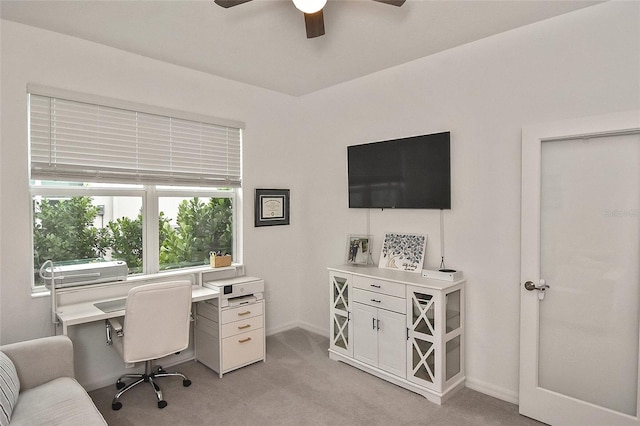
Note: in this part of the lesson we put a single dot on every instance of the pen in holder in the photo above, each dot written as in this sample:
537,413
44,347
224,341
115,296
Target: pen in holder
218,261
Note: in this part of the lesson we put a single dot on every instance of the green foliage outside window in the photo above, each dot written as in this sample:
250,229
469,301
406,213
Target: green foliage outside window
64,231
201,229
125,240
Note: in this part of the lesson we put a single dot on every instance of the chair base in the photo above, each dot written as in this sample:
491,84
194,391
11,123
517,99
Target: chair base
148,377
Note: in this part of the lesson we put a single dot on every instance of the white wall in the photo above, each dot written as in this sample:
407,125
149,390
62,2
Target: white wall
584,63
30,55
580,64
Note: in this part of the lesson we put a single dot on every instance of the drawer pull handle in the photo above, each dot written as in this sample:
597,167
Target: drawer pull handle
375,285
243,313
244,340
377,301
242,327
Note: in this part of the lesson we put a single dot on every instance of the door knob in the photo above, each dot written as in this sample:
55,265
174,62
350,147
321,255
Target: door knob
530,286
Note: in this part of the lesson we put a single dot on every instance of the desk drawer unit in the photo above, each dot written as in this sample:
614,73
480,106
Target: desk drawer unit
230,337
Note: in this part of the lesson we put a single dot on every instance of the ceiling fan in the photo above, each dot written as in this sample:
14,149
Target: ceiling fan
312,9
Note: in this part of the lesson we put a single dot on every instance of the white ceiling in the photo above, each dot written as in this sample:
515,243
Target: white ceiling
263,42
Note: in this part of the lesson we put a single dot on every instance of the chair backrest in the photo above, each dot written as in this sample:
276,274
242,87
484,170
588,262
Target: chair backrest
156,321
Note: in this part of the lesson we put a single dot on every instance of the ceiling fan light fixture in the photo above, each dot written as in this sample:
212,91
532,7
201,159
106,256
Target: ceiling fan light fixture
309,6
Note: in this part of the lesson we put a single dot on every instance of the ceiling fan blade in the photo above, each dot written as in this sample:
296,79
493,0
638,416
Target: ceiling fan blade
229,3
314,23
392,2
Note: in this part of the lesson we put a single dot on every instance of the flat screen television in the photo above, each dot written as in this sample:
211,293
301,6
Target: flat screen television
407,173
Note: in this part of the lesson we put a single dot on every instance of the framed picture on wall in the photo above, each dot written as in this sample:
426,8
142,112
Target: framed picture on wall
403,251
271,207
358,249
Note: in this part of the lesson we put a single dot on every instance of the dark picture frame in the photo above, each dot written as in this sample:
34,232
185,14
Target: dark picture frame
271,207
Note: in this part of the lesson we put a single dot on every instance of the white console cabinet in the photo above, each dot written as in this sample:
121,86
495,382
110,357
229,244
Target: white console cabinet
399,326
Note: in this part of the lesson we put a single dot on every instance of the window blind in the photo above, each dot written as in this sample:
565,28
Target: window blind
75,140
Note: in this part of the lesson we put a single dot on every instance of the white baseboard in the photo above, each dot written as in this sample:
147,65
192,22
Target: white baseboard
313,329
303,325
492,390
280,329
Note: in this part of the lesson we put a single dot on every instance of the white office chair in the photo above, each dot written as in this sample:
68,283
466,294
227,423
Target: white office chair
156,324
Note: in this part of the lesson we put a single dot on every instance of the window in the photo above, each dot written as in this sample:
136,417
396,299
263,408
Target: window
193,227
99,173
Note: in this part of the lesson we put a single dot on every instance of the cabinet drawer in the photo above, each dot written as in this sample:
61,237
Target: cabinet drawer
241,312
380,286
242,349
383,301
242,326
207,310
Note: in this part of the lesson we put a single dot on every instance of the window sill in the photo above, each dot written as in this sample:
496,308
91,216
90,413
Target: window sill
194,272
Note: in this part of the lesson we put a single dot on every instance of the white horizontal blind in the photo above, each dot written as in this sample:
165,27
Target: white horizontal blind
73,140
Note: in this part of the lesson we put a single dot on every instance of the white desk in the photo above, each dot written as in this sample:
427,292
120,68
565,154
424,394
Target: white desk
85,312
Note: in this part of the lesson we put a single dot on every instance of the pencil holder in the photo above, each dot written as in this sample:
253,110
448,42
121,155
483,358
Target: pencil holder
220,261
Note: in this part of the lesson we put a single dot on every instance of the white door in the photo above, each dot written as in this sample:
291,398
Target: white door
579,336
392,342
365,333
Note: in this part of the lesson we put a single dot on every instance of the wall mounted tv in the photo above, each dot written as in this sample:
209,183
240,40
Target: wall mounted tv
407,173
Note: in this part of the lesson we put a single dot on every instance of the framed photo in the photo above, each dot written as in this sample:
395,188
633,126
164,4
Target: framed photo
403,251
271,207
359,249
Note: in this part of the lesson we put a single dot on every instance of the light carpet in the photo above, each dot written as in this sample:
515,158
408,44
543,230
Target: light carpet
297,385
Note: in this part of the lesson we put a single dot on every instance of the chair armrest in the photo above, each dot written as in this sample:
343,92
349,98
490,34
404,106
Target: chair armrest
39,361
116,325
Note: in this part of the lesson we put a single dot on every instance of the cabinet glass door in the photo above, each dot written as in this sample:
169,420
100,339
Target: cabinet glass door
423,313
423,360
340,290
453,321
340,330
452,359
341,327
422,343
452,302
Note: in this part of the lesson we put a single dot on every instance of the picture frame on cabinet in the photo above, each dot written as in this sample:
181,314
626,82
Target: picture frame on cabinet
404,252
358,249
271,207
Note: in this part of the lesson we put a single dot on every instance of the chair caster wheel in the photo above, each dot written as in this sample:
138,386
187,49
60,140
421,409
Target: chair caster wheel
186,383
162,404
116,406
119,385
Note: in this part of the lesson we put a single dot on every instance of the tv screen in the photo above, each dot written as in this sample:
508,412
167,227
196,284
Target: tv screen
407,173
